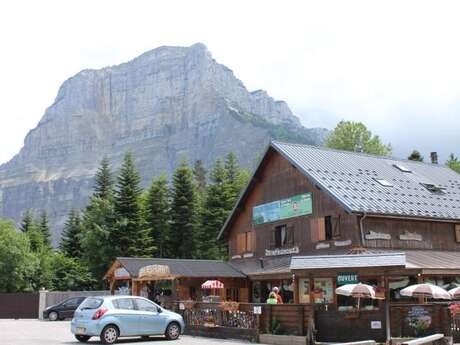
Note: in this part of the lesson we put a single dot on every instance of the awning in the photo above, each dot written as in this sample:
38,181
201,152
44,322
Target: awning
348,261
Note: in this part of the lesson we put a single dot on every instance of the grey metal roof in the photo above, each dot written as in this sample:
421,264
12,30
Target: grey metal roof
430,259
348,261
349,178
251,267
184,267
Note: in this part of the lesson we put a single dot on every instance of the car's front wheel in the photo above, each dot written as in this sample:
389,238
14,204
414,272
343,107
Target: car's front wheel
109,334
172,331
82,338
53,316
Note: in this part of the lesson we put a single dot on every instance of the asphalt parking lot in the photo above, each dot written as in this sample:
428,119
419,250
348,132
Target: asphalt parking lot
35,332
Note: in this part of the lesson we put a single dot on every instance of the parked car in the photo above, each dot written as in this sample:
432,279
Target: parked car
111,317
63,310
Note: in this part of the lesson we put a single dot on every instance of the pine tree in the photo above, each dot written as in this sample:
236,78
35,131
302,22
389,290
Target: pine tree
184,214
27,222
199,172
236,177
104,184
71,238
215,211
157,215
44,227
98,222
130,235
415,156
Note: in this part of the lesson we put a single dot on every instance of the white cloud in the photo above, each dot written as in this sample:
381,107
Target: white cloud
393,64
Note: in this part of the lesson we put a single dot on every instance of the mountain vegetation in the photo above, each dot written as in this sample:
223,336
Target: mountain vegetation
177,219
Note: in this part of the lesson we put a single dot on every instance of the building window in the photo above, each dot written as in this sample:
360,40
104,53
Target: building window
325,229
328,228
282,237
323,290
345,303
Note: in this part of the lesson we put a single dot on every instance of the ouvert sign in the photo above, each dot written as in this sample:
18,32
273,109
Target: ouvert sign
347,278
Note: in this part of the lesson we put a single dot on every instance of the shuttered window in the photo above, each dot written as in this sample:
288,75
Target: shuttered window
317,229
241,243
246,242
250,241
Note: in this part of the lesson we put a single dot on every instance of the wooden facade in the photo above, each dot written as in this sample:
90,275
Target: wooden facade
276,178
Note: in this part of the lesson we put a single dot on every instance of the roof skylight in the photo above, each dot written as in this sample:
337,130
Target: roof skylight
383,182
433,188
402,168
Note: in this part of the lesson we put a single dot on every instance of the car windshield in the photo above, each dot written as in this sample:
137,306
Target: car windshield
91,303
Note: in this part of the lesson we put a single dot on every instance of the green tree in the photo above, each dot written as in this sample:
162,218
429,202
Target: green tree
215,212
42,251
453,163
72,235
130,235
27,222
69,274
415,156
184,213
97,241
98,250
237,178
199,172
44,227
157,208
354,136
104,183
17,262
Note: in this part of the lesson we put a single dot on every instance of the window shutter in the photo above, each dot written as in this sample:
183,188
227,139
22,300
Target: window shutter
251,241
336,227
272,239
241,243
317,229
290,236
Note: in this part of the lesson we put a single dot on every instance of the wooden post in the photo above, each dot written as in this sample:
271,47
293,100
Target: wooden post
421,299
387,309
295,286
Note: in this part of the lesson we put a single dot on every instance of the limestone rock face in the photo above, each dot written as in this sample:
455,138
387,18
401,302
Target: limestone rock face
167,104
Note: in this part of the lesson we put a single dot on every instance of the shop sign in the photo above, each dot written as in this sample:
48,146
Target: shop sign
297,205
257,310
121,274
419,318
347,278
373,235
410,236
282,251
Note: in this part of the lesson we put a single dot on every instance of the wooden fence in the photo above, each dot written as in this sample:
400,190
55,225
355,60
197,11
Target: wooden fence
246,321
18,305
418,320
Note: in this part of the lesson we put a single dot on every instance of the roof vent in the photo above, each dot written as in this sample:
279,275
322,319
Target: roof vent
383,182
402,168
434,157
433,188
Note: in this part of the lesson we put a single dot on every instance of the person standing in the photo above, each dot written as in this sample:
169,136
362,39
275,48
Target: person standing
279,299
272,298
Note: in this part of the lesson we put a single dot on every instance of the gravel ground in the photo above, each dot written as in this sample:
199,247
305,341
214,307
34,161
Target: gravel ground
35,332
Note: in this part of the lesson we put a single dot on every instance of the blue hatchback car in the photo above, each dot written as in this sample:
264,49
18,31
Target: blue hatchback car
111,317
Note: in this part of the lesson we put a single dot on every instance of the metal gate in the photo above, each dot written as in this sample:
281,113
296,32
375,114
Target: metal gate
19,305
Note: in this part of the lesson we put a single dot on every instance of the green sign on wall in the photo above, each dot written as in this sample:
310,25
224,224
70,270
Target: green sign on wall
298,205
347,278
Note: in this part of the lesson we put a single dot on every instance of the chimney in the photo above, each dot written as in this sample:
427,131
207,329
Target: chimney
434,157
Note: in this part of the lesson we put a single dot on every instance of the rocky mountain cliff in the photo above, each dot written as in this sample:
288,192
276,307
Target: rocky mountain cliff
168,103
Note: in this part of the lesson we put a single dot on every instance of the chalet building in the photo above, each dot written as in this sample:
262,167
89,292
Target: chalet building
312,218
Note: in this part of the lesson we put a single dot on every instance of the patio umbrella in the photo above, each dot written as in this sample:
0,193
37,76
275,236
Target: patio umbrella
356,290
455,292
426,290
212,284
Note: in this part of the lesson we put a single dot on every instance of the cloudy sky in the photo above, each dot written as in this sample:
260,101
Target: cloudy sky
395,65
